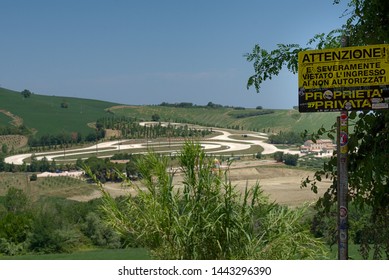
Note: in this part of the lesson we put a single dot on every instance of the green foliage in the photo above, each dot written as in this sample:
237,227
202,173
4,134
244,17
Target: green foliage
50,225
15,227
206,218
4,149
99,232
15,201
52,233
15,223
367,23
104,169
90,254
10,248
278,156
368,179
26,93
268,64
290,159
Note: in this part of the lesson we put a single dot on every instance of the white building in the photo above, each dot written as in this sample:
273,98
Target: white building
320,146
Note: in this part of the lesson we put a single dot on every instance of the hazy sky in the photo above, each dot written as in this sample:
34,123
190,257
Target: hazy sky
152,51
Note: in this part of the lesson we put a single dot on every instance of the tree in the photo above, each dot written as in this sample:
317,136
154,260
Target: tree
4,149
290,159
278,156
368,23
26,93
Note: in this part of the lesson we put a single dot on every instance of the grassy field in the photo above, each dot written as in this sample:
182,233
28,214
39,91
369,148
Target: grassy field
44,114
4,120
101,254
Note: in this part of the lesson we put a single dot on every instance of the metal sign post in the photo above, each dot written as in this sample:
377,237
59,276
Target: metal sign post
341,80
342,187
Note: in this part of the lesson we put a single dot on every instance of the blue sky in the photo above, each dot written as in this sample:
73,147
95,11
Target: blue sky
153,51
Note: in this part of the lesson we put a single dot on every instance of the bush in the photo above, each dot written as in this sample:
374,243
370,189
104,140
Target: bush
10,248
291,159
51,233
99,233
33,177
279,156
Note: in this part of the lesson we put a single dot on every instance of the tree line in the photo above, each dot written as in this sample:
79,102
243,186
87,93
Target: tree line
12,130
209,105
130,128
63,140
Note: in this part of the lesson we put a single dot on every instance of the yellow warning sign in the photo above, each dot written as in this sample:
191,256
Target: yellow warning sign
352,78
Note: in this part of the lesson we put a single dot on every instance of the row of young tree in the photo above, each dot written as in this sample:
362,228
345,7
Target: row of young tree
131,128
63,140
289,137
209,105
14,130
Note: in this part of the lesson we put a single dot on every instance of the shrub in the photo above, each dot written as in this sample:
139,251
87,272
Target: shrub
33,177
279,156
99,233
290,159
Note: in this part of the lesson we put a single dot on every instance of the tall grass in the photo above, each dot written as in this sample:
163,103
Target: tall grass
207,218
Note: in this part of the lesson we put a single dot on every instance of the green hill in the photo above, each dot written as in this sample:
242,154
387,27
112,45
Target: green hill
266,120
54,115
45,115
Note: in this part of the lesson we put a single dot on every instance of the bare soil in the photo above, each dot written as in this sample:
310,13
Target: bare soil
280,183
16,120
